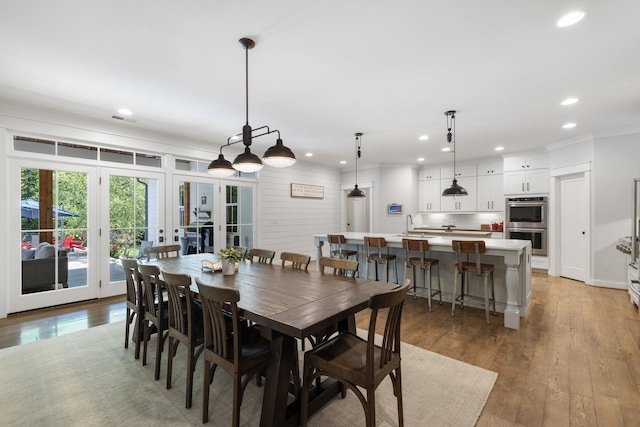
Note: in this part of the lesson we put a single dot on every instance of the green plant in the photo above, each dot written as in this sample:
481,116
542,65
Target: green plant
230,253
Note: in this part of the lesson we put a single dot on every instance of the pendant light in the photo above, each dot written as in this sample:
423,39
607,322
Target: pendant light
356,192
277,155
454,189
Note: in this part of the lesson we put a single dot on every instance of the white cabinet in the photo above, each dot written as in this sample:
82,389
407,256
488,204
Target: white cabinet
490,167
525,162
526,181
429,195
462,203
428,173
461,171
490,193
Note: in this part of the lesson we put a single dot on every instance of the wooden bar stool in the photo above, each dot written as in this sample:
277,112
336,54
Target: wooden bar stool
336,244
422,247
376,256
463,268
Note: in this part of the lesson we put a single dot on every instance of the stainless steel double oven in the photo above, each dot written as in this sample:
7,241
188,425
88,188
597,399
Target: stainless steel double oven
526,219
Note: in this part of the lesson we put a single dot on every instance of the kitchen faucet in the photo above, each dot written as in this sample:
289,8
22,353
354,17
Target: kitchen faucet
409,222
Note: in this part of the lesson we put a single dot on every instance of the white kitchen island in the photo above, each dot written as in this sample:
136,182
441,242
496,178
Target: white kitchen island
512,275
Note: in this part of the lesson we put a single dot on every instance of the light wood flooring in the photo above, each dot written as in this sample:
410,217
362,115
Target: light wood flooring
574,361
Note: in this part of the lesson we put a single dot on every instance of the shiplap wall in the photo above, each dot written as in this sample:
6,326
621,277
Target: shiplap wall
287,224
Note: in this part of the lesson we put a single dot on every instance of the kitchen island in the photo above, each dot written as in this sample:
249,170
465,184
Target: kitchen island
512,275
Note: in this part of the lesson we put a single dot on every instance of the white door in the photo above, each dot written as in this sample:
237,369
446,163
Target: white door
133,215
194,208
358,212
56,231
573,227
237,212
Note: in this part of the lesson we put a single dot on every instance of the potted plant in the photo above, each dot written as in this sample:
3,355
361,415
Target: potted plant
230,257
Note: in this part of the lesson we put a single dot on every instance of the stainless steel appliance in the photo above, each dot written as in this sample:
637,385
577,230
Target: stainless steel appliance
526,219
526,212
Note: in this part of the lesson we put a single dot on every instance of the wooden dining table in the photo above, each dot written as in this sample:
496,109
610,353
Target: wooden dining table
287,304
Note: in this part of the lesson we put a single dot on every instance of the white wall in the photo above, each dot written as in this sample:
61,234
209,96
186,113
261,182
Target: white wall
287,224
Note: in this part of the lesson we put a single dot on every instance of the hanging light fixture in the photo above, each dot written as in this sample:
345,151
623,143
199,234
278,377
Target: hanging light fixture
454,189
277,155
356,192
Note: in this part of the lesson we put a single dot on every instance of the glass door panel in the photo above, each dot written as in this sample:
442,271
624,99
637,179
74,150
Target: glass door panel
195,210
239,214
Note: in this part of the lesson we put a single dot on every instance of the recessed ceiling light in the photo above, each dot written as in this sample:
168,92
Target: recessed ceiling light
309,154
343,162
125,112
568,126
499,148
569,101
235,137
446,149
571,18
423,137
421,159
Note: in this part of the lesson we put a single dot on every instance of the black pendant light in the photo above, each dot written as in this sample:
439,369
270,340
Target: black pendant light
454,189
356,192
277,156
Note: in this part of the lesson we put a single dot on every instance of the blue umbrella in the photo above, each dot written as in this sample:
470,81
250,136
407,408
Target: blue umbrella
30,209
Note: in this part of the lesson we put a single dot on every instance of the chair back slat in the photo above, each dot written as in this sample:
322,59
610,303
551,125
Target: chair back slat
298,261
264,256
180,302
130,267
339,266
215,301
152,289
163,252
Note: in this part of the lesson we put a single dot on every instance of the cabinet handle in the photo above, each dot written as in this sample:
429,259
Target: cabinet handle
523,186
488,207
527,186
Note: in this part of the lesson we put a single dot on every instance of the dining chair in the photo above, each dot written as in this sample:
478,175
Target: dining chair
339,266
298,261
185,326
264,256
135,307
240,351
163,252
336,246
375,254
155,311
421,246
243,251
464,267
358,362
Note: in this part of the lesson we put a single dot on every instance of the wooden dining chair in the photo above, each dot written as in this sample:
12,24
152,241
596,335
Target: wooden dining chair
163,252
423,262
185,326
339,266
298,261
155,311
264,256
241,351
135,307
357,362
464,267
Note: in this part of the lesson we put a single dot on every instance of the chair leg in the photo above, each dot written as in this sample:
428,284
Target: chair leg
493,293
486,298
413,271
172,351
205,391
427,281
371,407
395,269
398,393
145,342
237,389
453,292
159,346
439,285
128,321
190,369
139,332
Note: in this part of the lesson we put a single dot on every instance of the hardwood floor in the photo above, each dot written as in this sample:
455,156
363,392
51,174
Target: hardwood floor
574,361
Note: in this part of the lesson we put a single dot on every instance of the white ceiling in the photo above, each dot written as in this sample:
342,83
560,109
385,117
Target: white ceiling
323,70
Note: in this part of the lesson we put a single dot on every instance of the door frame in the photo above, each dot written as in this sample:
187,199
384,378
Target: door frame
344,190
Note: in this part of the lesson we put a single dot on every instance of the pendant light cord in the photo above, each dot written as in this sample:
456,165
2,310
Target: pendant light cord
246,82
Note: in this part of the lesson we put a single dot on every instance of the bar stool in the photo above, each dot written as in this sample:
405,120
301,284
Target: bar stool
421,246
378,243
336,243
463,268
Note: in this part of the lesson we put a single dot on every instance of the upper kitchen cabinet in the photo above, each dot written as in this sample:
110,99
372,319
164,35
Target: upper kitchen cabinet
490,193
462,203
526,182
490,167
524,162
461,171
429,193
428,173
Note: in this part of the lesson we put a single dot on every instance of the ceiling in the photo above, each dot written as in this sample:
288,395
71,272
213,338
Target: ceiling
323,70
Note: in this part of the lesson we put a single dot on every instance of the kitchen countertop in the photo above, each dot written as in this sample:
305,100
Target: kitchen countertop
439,232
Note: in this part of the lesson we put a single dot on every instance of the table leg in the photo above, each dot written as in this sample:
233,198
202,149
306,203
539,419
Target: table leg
274,401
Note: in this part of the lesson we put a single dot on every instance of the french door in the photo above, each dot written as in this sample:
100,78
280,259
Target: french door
55,234
132,218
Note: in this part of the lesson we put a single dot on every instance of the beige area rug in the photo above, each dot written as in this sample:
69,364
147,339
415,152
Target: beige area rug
87,378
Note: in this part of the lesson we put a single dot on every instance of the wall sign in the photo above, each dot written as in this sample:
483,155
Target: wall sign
308,191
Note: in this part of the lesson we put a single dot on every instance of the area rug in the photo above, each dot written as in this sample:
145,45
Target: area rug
87,378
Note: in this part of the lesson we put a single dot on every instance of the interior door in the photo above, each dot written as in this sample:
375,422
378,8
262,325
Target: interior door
55,230
573,227
194,207
358,212
132,218
239,213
